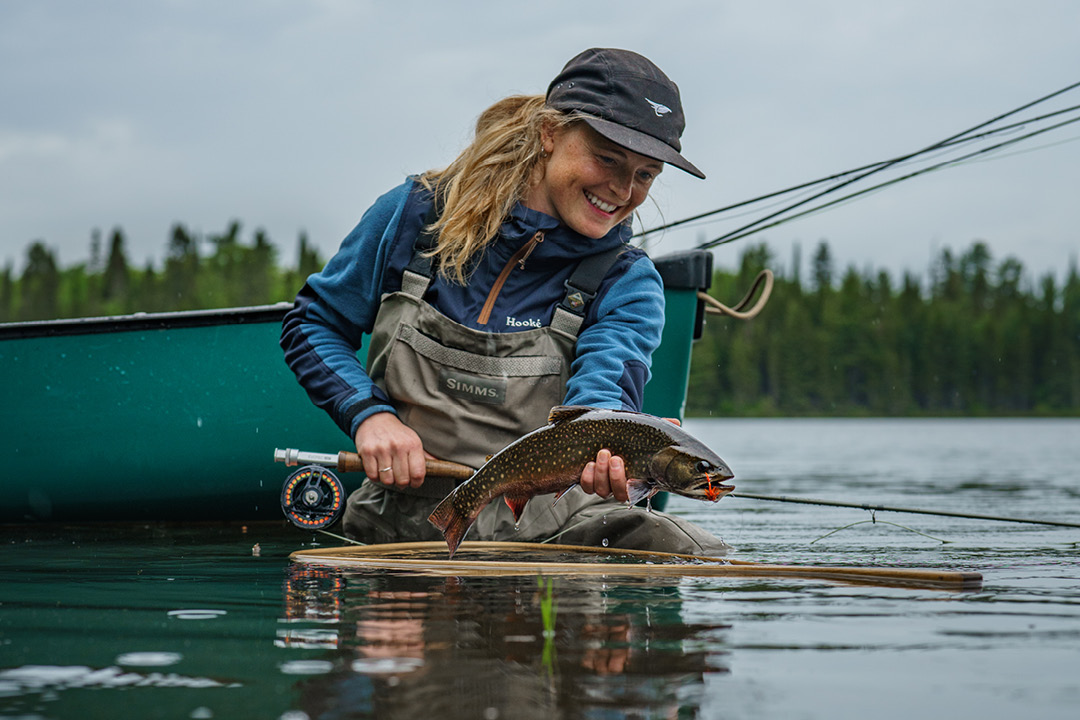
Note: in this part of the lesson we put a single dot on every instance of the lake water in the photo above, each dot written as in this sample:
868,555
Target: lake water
164,621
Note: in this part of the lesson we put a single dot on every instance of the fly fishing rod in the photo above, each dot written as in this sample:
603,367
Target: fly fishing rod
839,176
759,224
314,498
888,508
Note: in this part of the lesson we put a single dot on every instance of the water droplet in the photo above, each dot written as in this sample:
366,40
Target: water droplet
149,659
604,542
306,667
294,715
386,666
196,614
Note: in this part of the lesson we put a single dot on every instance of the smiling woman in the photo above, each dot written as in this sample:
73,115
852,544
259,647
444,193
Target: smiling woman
589,183
494,290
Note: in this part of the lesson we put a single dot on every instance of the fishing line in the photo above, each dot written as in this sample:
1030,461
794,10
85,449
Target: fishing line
965,137
915,511
875,521
807,186
742,231
703,220
1027,151
750,229
760,198
341,537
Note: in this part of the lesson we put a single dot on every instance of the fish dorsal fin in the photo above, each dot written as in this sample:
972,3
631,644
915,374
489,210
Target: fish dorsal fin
566,413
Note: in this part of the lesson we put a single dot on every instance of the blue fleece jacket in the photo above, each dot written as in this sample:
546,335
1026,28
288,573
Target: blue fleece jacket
322,333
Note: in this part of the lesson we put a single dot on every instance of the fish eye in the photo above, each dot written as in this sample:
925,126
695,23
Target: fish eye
703,466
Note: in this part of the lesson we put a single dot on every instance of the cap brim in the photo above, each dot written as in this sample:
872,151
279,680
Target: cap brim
641,143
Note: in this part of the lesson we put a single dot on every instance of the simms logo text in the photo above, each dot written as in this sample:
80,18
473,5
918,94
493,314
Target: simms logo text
491,391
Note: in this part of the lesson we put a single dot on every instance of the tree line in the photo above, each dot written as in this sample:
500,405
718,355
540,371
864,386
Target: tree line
219,270
973,337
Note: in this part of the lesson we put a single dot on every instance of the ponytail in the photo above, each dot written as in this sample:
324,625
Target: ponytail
481,186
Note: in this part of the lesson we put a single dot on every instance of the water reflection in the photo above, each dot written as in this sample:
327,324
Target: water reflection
407,646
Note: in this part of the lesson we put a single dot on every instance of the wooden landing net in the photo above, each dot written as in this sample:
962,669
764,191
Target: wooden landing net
479,558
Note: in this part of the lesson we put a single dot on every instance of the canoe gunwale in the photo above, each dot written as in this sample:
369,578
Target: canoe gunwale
144,321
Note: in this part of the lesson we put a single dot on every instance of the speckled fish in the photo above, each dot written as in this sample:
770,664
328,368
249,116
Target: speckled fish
658,455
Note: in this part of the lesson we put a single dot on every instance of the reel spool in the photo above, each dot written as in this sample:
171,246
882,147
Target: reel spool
313,498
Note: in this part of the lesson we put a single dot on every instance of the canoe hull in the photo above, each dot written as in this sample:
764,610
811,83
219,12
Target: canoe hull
152,417
175,416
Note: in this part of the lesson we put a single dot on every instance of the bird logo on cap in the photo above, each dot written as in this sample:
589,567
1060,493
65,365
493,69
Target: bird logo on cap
660,109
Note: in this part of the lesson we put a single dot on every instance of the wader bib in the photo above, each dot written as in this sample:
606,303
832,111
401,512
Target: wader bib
469,393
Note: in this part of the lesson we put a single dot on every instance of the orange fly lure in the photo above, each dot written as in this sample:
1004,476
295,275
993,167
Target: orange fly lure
711,493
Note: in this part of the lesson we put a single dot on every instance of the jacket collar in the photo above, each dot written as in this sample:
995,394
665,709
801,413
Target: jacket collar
560,242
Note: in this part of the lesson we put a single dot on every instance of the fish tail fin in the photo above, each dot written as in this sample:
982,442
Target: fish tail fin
453,524
517,504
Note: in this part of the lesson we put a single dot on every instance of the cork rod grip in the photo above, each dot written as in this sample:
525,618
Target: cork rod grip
351,462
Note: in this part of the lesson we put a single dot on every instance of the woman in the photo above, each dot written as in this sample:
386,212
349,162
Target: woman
493,290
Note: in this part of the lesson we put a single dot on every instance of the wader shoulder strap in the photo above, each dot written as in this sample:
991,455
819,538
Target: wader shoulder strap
581,288
417,275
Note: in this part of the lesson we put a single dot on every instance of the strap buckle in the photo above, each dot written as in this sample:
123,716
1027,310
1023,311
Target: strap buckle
575,299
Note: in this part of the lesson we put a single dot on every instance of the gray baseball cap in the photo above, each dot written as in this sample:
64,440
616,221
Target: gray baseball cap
627,99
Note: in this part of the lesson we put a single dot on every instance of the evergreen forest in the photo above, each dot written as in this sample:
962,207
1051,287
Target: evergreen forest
976,336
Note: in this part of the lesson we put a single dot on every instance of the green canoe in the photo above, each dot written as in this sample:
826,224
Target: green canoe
175,416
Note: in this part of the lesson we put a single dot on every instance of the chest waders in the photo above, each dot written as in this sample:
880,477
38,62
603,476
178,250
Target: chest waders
469,393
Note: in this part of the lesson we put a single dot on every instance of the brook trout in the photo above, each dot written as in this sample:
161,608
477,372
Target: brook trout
658,455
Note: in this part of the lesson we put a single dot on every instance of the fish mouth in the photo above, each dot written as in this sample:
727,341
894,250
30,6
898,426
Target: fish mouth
707,487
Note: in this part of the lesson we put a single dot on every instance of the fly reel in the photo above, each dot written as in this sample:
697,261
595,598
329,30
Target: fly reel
313,498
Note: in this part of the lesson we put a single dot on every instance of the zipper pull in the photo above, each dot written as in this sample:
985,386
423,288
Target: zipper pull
533,242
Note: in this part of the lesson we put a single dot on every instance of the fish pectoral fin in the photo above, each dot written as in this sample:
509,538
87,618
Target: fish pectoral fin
566,413
640,490
517,504
562,492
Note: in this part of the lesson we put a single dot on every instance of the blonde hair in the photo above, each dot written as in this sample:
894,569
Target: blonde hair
481,186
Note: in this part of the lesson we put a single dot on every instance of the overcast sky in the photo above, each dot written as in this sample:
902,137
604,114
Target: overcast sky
294,116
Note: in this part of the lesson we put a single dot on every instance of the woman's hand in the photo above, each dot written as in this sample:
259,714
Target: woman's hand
391,451
606,476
